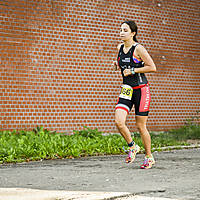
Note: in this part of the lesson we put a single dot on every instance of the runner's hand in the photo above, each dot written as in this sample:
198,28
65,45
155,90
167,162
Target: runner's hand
115,65
127,72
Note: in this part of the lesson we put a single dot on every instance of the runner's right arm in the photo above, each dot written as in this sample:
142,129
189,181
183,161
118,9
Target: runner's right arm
115,63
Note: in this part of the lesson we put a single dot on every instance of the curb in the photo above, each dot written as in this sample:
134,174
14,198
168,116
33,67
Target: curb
177,147
33,194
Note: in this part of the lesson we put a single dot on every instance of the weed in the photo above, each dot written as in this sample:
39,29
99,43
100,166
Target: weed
40,143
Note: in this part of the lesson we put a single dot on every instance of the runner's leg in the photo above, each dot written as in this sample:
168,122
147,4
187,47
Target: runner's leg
145,136
120,121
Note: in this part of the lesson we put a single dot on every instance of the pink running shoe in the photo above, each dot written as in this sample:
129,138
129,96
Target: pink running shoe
148,162
132,151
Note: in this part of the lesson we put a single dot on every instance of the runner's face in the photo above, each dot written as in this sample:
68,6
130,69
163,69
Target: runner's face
125,32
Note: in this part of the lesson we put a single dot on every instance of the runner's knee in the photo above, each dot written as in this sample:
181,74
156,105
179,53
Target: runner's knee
119,123
141,127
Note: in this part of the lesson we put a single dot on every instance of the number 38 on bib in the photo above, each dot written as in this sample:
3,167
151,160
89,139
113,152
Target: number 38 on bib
126,92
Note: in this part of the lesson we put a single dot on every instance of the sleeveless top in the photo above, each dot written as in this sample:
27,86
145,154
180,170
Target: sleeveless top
127,61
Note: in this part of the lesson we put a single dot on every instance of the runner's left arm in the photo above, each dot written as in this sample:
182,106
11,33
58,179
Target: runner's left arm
149,65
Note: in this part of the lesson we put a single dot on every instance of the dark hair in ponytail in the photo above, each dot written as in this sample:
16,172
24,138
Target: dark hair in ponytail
133,27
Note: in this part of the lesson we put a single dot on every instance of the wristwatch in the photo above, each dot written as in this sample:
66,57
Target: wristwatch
132,71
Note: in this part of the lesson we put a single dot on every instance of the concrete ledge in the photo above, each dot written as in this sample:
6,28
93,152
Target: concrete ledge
33,194
193,146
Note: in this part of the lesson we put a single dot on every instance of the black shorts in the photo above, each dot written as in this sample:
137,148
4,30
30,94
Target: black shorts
138,96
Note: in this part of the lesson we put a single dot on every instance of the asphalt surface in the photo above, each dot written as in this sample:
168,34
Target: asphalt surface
176,175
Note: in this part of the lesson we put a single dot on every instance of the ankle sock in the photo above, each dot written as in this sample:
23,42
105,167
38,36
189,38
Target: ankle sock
131,144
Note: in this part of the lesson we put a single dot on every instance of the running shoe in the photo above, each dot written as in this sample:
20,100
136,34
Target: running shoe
148,163
132,151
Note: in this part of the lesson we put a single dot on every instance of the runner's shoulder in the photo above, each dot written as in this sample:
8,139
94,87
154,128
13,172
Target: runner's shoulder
139,50
119,46
139,47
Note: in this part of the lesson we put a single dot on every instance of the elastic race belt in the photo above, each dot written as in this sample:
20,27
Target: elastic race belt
140,86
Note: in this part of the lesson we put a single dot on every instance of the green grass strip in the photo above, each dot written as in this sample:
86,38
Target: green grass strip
20,146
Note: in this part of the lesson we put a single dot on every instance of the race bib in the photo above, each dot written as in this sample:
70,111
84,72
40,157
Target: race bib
126,92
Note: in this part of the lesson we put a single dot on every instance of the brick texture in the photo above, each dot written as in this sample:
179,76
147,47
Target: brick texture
56,56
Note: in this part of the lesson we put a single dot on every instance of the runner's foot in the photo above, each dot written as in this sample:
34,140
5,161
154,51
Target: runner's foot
132,151
148,162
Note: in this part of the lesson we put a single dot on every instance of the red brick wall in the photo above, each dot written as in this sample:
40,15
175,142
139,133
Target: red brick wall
56,55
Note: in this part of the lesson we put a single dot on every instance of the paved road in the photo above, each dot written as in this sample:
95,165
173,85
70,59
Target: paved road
176,175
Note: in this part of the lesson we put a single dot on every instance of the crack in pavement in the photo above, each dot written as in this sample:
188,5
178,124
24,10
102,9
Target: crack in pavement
135,194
